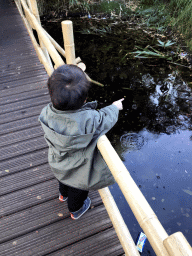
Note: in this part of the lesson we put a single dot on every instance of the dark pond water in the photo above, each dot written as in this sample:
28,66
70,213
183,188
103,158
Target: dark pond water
154,133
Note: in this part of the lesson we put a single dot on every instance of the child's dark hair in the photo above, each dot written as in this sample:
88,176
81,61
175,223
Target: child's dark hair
68,87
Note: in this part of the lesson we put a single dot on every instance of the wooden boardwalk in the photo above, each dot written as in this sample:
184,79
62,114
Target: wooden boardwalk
33,220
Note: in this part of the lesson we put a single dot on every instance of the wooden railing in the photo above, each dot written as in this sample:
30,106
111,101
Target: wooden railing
48,52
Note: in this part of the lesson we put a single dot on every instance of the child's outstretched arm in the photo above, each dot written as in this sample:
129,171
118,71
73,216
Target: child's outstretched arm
119,104
106,117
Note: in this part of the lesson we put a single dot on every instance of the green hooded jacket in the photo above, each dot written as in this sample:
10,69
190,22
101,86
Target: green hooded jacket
72,139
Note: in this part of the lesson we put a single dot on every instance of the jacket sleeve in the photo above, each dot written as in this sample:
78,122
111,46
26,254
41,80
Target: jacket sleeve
105,119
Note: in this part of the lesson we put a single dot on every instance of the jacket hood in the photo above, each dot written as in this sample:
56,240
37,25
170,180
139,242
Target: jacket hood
62,129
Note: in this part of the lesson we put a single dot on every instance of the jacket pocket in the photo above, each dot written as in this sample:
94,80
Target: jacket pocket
68,160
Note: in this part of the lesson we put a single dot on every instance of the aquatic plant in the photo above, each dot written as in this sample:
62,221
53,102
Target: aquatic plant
152,53
165,44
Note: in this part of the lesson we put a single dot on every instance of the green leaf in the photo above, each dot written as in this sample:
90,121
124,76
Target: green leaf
150,53
161,43
169,43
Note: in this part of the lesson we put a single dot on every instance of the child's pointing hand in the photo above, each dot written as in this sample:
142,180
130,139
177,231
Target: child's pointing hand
119,104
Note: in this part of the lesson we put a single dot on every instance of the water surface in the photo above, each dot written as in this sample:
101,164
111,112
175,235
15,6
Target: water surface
161,166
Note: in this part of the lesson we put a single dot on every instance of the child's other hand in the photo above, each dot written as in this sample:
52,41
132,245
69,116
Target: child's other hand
118,104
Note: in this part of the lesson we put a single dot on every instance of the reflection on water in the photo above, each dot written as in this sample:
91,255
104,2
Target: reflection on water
165,89
154,131
132,141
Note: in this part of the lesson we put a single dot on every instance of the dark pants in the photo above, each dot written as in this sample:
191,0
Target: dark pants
76,197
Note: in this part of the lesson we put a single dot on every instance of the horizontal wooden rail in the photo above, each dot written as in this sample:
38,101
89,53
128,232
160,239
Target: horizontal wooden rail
57,46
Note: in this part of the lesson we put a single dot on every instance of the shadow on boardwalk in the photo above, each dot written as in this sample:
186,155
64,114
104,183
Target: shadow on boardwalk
33,220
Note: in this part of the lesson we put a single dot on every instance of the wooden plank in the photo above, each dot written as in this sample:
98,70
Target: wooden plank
18,54
21,148
22,81
14,76
19,67
23,88
24,162
103,243
16,40
60,234
28,197
18,136
18,59
17,125
24,179
20,96
19,43
23,113
19,62
38,216
24,104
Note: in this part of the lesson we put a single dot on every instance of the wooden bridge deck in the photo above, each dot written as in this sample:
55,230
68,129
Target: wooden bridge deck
33,220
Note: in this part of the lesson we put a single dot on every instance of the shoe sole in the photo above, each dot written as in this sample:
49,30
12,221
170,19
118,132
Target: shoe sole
61,200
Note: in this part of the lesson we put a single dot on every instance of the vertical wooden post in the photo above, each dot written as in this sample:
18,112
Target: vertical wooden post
177,245
67,29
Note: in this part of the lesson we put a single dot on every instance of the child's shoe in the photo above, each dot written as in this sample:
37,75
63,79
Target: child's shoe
62,198
76,215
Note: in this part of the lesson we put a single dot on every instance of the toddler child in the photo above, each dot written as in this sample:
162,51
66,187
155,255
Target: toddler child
72,128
